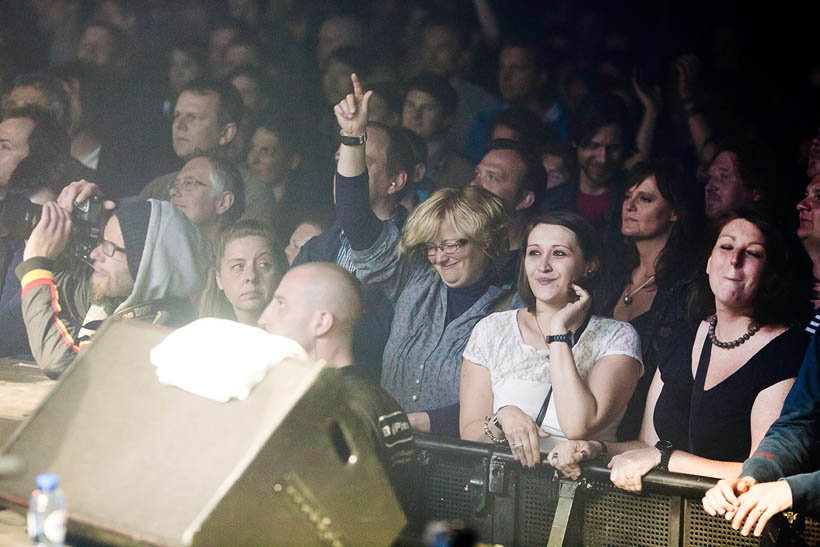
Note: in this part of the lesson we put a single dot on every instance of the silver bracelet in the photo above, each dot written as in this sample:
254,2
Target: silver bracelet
489,433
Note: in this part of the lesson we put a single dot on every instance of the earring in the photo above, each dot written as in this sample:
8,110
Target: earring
393,183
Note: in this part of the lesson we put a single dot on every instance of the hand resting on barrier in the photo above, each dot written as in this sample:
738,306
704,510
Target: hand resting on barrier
522,434
567,456
629,468
743,498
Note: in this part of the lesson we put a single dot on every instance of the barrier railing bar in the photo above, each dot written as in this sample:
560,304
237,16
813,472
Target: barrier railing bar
655,481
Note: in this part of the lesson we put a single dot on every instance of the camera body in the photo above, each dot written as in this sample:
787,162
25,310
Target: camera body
19,216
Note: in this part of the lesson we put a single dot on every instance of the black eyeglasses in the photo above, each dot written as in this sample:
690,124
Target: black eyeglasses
109,248
448,247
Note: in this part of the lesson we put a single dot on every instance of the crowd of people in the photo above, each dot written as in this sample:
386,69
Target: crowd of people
528,224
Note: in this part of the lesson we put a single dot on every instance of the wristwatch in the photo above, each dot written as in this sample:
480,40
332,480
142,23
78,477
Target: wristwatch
665,448
560,338
358,140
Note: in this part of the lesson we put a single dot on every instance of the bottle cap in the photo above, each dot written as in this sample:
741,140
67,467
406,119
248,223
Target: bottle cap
47,482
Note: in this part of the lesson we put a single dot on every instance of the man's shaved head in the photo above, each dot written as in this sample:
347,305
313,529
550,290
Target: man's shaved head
314,300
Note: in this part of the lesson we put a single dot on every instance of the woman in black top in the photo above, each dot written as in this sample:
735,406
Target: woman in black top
647,281
716,393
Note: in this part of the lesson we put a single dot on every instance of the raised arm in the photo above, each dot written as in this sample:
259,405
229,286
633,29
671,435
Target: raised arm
52,315
351,115
688,69
651,100
586,405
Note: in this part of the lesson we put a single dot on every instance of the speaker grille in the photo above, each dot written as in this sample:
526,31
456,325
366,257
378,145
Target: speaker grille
445,489
538,498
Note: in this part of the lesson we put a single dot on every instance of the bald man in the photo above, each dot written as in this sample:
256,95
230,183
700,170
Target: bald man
319,305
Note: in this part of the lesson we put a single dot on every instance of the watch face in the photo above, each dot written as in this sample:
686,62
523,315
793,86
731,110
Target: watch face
663,444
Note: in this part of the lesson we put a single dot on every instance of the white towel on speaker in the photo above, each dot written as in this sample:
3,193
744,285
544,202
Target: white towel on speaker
220,359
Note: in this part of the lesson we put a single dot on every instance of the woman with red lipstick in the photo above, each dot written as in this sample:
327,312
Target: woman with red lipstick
249,265
647,281
718,391
535,376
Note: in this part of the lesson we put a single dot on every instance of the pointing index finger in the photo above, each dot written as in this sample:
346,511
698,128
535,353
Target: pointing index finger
357,86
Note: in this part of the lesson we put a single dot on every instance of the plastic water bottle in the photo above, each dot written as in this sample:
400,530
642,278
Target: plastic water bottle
47,515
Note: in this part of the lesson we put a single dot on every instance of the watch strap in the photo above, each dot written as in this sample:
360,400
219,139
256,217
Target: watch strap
567,337
665,448
358,140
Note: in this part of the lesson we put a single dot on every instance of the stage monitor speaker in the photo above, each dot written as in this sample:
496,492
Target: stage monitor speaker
141,462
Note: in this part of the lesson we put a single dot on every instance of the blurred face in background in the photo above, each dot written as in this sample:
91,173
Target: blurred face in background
518,75
182,69
602,155
266,158
440,50
725,190
422,114
301,235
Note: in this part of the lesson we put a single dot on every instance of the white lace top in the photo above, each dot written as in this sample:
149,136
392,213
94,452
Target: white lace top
520,374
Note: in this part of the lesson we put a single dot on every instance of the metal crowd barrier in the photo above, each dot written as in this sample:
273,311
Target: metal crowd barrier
482,486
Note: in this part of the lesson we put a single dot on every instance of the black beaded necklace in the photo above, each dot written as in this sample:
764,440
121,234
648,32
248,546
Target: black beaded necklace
734,343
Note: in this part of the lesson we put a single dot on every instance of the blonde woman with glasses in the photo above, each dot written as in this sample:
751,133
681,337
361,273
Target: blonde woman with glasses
448,268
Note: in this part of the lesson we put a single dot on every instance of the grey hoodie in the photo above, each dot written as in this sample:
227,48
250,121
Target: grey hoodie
172,270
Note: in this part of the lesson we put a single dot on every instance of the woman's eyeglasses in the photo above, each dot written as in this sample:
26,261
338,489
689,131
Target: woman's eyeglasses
447,247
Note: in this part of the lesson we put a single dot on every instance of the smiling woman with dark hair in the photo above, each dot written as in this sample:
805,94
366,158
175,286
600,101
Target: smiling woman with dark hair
722,385
536,376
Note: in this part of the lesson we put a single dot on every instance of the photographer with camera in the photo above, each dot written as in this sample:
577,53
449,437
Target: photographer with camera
147,264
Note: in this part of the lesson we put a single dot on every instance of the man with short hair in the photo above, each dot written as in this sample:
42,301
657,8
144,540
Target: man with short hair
209,191
148,264
443,50
319,306
602,134
429,106
39,89
513,173
206,116
391,164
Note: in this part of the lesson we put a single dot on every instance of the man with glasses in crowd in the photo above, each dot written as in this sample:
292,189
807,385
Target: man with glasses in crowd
150,260
209,191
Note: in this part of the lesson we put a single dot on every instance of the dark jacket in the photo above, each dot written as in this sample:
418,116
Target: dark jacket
372,334
791,447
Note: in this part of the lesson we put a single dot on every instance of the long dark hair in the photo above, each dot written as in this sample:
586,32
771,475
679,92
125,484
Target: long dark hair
784,296
684,237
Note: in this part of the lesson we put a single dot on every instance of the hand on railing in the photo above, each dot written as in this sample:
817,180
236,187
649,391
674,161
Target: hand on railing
567,456
742,498
629,468
522,434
